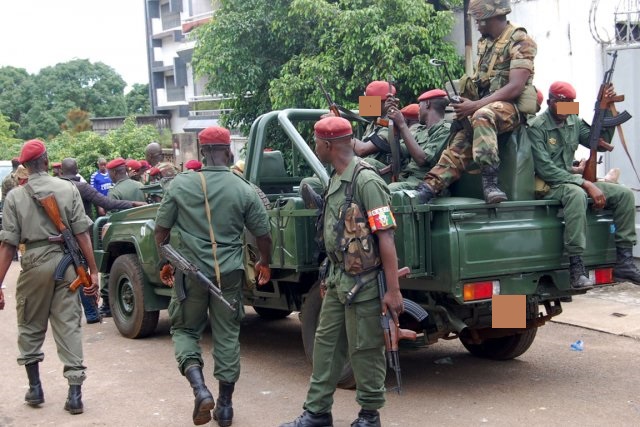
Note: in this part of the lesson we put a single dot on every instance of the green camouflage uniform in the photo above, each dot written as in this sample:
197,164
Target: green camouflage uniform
9,183
491,120
234,204
553,149
352,332
127,189
432,141
39,298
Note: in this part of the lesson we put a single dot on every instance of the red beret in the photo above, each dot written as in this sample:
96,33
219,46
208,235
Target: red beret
430,94
31,150
154,171
562,90
193,165
133,164
332,128
411,112
144,164
539,97
115,163
56,165
215,135
379,88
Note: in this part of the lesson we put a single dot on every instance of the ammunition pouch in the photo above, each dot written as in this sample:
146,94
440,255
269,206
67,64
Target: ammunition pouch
358,245
527,101
468,88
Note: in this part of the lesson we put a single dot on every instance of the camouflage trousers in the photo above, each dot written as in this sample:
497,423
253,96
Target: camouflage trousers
488,122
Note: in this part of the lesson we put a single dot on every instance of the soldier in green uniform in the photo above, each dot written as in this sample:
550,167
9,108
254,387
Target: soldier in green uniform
425,141
554,140
124,188
153,156
233,205
352,331
495,99
10,181
39,298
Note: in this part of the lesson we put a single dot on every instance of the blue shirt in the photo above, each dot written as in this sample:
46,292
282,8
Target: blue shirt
101,182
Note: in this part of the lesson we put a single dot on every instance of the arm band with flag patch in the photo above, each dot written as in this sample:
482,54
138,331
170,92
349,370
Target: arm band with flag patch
381,219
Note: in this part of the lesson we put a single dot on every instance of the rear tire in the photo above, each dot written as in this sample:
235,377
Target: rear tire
126,298
503,348
309,317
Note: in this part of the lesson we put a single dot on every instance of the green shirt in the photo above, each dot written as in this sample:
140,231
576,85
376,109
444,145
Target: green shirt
432,141
24,221
554,147
369,192
234,205
127,189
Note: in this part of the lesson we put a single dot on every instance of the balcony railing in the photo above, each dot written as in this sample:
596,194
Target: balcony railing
214,114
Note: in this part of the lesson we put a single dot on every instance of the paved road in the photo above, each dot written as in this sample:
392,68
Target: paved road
136,383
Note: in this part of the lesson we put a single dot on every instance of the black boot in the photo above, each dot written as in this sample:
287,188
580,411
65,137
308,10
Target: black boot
224,410
492,194
425,193
74,400
203,403
625,269
577,273
105,309
35,395
309,419
312,200
367,418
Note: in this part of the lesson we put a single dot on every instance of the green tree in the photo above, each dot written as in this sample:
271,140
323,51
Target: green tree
77,121
273,50
15,85
9,146
137,100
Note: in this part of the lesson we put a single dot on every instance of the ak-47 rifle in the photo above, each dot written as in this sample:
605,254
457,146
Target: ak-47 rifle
394,143
459,123
338,110
392,332
73,253
181,263
603,103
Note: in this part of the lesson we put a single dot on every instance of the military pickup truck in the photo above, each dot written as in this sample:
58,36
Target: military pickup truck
461,251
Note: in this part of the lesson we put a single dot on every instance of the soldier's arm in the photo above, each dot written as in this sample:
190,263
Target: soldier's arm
412,147
6,256
98,199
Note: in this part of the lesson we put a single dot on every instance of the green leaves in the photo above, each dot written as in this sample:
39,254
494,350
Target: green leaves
275,49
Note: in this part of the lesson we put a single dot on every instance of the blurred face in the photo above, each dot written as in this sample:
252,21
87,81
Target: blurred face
102,166
112,175
552,102
422,112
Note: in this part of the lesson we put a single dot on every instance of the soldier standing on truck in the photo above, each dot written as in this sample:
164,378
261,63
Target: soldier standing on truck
554,141
230,204
352,331
495,99
39,298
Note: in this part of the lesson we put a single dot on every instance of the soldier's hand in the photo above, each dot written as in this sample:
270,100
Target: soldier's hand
137,204
394,303
610,91
465,108
92,291
1,300
390,103
397,117
166,275
264,273
599,200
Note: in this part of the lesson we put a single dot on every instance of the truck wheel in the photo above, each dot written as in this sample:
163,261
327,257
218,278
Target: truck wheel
503,348
126,298
309,317
271,313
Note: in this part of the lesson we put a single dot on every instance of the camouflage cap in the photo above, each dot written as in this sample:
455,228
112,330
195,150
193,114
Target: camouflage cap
485,9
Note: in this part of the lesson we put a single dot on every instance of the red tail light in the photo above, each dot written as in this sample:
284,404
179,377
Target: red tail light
601,276
481,290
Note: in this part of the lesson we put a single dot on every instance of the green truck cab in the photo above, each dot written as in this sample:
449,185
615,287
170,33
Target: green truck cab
461,251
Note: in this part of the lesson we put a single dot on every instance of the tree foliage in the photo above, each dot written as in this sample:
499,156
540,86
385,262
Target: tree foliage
137,100
275,49
9,146
40,103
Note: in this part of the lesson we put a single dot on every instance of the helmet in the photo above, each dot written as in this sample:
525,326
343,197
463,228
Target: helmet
485,9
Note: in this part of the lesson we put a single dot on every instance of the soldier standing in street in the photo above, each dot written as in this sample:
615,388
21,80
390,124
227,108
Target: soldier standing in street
495,99
352,331
214,224
39,298
554,141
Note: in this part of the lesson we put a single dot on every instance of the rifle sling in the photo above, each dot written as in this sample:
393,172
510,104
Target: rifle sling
214,245
614,113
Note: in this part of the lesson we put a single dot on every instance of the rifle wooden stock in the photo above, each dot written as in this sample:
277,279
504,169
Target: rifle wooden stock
50,206
589,172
